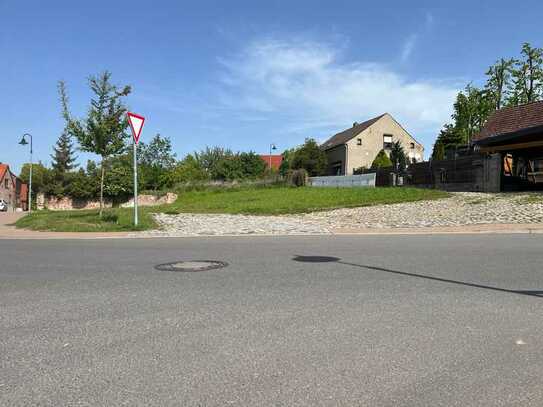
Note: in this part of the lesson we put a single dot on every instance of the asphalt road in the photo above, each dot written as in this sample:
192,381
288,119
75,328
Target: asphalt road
396,321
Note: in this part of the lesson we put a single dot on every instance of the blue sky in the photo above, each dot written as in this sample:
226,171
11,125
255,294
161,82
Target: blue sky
242,74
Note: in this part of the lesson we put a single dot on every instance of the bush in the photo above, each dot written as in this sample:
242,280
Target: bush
110,217
297,178
381,161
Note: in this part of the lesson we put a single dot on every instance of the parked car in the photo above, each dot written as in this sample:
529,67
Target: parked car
3,206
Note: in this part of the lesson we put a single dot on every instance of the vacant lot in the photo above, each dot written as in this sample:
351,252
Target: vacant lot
279,201
249,201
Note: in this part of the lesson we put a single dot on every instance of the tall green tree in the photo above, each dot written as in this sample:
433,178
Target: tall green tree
103,131
210,160
449,136
157,159
287,161
41,177
63,157
252,165
498,82
310,157
527,76
471,109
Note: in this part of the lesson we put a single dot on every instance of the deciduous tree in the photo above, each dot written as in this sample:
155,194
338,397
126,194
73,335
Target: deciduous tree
527,76
498,82
157,159
103,131
310,157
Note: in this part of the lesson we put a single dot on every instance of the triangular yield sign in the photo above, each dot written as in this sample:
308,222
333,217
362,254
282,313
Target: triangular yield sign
136,124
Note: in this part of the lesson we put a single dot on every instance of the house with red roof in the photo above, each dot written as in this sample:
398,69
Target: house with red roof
272,161
515,134
13,191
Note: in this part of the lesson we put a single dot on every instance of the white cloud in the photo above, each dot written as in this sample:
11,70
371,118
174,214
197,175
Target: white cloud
306,88
408,46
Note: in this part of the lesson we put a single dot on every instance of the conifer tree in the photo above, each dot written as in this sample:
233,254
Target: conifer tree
64,154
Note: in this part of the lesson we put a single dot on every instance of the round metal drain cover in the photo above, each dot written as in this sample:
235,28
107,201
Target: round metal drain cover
192,265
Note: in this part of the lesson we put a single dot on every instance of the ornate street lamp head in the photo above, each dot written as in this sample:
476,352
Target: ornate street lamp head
23,141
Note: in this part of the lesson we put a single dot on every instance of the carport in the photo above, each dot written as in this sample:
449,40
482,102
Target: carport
516,135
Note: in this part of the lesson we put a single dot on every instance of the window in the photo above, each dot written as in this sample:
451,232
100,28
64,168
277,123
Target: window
6,183
387,141
358,141
412,146
337,168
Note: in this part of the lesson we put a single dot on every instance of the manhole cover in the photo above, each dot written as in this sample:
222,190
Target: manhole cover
192,265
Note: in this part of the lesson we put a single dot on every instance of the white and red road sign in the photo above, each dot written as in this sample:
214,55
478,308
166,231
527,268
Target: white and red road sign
136,124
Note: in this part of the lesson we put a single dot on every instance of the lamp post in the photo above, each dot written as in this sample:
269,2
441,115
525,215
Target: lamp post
23,142
272,147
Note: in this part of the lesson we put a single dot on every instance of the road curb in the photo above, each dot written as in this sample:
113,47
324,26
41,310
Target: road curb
21,234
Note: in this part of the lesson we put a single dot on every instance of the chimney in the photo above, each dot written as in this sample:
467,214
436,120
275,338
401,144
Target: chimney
355,124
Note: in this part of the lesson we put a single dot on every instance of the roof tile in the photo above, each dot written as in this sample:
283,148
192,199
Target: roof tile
512,119
346,135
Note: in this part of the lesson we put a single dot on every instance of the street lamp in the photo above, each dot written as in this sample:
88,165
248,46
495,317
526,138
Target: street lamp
272,147
23,142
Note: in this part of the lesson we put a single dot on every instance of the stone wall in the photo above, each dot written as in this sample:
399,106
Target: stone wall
65,203
149,200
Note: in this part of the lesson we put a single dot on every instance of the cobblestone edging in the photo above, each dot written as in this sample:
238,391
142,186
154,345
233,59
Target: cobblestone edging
461,209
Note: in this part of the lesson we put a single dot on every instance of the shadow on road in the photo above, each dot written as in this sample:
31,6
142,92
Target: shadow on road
327,259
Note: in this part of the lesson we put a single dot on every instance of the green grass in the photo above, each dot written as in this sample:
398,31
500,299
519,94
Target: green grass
243,200
285,200
113,220
534,198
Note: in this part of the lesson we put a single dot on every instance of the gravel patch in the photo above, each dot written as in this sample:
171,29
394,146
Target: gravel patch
462,208
188,224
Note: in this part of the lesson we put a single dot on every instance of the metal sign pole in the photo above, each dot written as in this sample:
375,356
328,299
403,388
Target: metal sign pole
136,124
135,184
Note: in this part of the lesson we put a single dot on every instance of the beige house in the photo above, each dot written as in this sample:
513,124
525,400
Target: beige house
358,146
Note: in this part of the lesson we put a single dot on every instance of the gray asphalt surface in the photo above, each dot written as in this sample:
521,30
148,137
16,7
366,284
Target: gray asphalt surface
397,321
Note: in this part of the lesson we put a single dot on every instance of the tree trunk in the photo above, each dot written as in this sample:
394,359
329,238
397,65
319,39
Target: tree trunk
102,189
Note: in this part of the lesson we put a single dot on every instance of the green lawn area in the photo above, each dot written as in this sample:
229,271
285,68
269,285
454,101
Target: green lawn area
285,200
243,200
113,220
